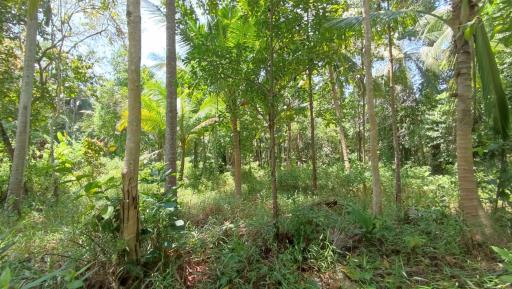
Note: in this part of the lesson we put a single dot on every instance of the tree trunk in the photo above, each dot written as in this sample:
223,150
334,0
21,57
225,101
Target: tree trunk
15,190
195,161
54,180
273,178
503,180
374,145
394,123
182,162
130,203
312,130
469,202
6,141
237,156
171,114
339,118
271,122
289,146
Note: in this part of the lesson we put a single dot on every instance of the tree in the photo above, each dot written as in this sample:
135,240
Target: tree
15,190
171,115
130,202
394,120
466,26
374,145
339,118
220,50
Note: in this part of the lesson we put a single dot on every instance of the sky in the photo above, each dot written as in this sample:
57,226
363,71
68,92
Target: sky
153,37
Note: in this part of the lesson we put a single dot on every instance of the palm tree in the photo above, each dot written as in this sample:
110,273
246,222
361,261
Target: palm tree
467,29
172,95
130,202
14,193
192,120
466,26
374,144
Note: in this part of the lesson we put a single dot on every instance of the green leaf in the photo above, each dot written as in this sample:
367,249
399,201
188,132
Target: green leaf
468,32
75,284
506,278
491,81
92,187
5,279
108,213
44,278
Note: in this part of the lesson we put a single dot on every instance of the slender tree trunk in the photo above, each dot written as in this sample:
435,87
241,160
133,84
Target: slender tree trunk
182,162
312,131
503,182
289,146
54,180
339,118
171,115
195,155
394,123
6,141
374,144
469,202
130,203
271,121
237,156
15,190
273,178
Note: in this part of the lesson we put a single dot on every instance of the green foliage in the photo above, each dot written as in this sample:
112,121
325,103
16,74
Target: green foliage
491,80
506,256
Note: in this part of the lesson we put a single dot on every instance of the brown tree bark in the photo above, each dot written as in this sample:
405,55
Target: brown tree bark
374,144
237,155
15,189
339,118
7,141
312,131
183,144
271,120
130,203
289,146
394,123
171,113
469,203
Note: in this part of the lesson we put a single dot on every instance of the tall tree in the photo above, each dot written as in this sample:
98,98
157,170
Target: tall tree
312,128
130,202
310,100
464,12
15,190
374,144
7,141
339,118
171,115
272,114
394,120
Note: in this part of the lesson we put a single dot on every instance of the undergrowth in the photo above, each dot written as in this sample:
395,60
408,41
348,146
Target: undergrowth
211,239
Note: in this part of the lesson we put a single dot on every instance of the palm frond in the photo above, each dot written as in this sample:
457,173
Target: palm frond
491,80
436,55
156,12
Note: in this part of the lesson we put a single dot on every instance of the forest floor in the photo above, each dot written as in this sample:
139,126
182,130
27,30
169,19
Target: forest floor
325,240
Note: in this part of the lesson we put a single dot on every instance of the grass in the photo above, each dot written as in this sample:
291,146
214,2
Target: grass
326,239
